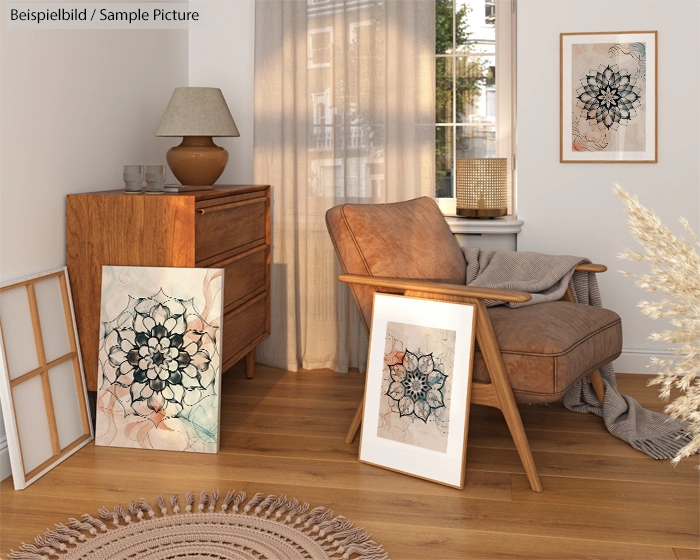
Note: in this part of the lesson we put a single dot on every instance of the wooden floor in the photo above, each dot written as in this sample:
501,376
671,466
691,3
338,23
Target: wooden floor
283,433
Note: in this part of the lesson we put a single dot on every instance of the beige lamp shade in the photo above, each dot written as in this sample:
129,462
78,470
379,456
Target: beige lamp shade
197,111
197,114
482,187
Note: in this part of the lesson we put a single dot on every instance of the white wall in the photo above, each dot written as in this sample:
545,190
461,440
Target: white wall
75,106
222,55
570,208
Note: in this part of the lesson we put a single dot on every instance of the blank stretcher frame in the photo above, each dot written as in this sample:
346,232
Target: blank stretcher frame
42,385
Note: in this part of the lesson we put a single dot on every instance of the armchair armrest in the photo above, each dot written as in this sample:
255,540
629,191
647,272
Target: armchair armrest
436,288
590,267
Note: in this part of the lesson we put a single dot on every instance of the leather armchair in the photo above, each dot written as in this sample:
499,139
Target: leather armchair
531,354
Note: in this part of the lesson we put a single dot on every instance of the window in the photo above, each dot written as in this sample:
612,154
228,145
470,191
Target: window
490,12
320,41
473,83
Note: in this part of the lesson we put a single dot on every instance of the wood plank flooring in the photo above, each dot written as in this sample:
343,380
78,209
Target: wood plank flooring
282,432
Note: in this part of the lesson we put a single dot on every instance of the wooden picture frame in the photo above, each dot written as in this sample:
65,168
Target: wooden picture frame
608,97
40,364
418,387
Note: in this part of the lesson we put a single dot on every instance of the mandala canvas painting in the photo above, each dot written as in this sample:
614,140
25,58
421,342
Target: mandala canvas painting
159,374
418,381
608,97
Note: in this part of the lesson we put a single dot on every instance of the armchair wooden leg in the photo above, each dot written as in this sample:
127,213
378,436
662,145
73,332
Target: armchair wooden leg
499,378
355,425
598,386
499,381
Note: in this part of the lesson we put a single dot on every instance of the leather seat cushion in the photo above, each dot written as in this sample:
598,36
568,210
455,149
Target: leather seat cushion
547,347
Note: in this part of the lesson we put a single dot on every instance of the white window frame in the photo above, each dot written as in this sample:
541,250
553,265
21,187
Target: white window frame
505,100
355,27
310,48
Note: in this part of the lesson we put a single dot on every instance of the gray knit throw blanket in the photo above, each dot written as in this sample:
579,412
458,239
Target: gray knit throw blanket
546,277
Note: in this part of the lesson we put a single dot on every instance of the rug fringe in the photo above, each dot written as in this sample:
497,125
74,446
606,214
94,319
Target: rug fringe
31,552
278,503
254,501
79,526
121,512
212,501
227,500
145,506
106,514
95,522
134,509
64,530
267,502
335,534
161,505
203,501
175,503
240,498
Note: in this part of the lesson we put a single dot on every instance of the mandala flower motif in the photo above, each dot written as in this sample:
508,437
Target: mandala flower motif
161,350
416,385
609,96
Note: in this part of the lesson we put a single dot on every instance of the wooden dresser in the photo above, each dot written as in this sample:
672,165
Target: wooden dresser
228,227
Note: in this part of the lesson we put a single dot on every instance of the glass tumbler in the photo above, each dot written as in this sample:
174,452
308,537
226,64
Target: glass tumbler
155,179
133,178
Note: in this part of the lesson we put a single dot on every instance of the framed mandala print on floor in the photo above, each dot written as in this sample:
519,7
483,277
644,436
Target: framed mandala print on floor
609,97
159,376
416,408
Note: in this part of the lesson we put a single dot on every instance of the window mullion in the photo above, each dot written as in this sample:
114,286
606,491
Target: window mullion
453,173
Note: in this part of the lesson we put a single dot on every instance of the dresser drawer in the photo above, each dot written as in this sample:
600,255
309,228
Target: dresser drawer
219,229
244,274
243,325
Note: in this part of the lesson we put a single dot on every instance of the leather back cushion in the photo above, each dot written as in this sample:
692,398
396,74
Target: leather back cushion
403,239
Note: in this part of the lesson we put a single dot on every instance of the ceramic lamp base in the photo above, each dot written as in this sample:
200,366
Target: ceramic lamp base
197,161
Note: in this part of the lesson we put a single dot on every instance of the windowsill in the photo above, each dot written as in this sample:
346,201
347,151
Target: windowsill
508,225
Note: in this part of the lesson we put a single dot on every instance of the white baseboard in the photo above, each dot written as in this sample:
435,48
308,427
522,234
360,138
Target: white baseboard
5,469
636,359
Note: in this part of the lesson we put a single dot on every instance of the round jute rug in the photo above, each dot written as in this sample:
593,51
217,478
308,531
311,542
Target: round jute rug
263,528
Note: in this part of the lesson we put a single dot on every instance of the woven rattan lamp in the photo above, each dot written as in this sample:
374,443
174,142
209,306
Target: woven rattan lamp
482,187
197,114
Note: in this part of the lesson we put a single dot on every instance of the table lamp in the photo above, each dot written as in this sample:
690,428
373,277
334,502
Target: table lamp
482,187
197,114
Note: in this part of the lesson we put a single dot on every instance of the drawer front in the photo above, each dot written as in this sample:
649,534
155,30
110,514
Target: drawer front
244,274
221,228
241,327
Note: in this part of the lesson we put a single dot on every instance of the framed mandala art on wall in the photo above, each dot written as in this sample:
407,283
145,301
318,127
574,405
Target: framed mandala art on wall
159,375
418,381
609,97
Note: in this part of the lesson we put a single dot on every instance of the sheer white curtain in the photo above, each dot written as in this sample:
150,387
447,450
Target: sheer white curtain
344,112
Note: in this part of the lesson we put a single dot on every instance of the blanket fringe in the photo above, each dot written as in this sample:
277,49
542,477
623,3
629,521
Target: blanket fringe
335,534
666,447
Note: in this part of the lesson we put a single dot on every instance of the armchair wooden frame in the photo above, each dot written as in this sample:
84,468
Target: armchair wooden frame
498,393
